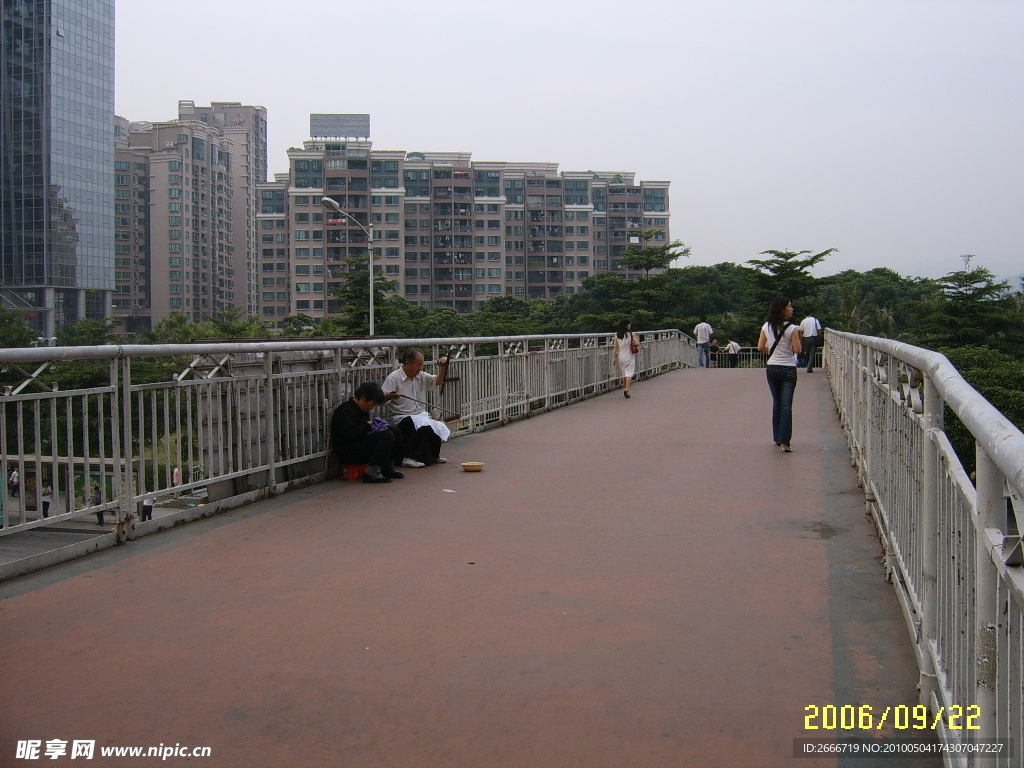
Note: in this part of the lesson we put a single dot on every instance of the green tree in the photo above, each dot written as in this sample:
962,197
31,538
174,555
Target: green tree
646,257
354,295
974,308
442,322
787,273
879,302
999,378
502,316
87,333
14,331
300,325
394,316
235,324
176,328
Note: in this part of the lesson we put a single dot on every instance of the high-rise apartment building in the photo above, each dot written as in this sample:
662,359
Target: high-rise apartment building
246,126
185,213
57,159
451,231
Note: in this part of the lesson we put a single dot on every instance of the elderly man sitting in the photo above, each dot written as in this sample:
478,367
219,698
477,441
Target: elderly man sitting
406,391
356,438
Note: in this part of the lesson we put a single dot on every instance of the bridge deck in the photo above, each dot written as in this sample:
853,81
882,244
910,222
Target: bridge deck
642,582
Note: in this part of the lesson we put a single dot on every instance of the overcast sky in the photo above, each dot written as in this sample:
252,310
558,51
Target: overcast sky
890,129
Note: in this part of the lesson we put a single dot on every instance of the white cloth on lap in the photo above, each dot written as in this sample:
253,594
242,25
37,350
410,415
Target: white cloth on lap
423,420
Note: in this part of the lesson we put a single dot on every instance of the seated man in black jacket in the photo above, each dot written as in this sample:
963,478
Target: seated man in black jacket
356,438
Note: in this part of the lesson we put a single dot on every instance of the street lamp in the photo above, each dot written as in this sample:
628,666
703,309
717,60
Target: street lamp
332,206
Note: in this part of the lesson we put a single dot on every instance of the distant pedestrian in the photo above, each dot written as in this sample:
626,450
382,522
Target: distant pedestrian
732,353
702,332
14,482
780,340
147,508
46,496
97,500
713,347
626,347
810,331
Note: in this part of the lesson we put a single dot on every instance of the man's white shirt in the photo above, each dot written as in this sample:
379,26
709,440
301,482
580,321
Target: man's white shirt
703,333
810,326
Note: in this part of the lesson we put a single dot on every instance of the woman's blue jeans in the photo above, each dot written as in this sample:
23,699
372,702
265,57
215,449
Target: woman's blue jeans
782,383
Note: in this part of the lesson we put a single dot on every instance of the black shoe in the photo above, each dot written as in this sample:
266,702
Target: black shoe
626,394
392,473
378,478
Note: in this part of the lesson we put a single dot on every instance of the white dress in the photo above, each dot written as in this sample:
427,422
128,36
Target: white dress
627,360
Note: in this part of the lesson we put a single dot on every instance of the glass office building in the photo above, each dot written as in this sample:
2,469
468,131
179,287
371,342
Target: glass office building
57,160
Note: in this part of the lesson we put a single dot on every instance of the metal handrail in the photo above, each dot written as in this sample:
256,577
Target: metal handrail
952,541
241,420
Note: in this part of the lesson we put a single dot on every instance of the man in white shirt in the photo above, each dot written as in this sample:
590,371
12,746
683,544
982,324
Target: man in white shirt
810,329
405,390
732,351
702,332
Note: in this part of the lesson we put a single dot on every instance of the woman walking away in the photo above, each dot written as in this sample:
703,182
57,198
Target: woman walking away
627,345
780,340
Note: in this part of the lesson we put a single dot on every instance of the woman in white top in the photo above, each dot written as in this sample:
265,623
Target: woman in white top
780,340
623,354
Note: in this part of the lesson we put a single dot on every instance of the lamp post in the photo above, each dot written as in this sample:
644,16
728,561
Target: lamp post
333,207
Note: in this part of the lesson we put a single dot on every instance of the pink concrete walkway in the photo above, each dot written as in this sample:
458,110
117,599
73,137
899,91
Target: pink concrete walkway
629,583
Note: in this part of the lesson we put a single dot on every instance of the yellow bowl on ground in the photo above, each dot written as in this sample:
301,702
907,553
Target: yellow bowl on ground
473,466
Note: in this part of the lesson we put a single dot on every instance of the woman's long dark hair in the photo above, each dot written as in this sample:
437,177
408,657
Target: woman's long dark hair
623,329
777,314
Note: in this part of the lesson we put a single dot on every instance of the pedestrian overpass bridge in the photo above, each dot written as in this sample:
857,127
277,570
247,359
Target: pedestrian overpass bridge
641,582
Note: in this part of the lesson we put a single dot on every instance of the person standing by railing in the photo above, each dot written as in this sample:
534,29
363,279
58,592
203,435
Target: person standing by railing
702,332
732,353
780,340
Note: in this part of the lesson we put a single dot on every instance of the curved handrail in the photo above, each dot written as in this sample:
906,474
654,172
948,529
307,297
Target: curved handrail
997,435
116,351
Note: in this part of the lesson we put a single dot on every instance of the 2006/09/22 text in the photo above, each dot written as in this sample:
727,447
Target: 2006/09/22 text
902,717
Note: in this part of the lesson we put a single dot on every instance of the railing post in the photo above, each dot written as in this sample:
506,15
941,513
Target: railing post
474,386
859,412
268,409
547,374
504,372
929,485
124,452
868,395
990,511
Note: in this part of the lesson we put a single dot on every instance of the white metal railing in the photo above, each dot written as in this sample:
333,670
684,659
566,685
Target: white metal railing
953,547
750,357
237,420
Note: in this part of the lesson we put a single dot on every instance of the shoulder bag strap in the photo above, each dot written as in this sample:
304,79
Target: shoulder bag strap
778,338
